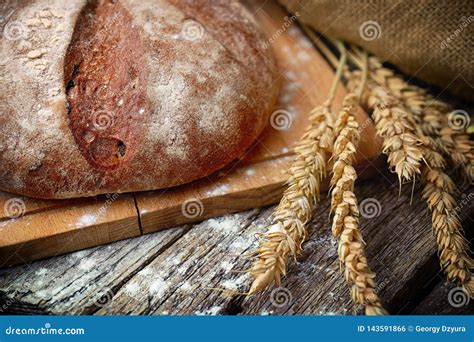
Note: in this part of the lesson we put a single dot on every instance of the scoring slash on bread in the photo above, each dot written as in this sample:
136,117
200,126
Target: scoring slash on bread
110,96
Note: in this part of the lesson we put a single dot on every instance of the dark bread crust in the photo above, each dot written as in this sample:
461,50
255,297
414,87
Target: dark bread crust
206,99
106,85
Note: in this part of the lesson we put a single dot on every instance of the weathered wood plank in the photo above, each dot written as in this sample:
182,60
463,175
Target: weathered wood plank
75,283
59,231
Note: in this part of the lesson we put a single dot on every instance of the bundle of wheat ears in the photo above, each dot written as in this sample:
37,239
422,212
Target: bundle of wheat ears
419,144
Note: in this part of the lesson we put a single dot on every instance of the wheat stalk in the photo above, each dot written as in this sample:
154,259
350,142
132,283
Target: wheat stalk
284,238
346,213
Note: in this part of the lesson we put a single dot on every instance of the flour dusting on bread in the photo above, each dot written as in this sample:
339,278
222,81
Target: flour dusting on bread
208,97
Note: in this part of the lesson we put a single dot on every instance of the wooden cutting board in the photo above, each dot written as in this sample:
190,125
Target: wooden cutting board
47,228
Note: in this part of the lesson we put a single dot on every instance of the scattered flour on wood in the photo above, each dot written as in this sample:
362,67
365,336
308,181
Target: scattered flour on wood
265,312
87,264
235,284
303,56
132,289
210,312
227,266
42,271
43,294
158,287
224,224
182,269
242,243
294,32
285,98
219,191
250,171
186,287
86,221
290,75
78,255
145,272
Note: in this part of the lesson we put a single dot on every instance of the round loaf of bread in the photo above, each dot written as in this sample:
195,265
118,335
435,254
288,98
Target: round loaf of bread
109,96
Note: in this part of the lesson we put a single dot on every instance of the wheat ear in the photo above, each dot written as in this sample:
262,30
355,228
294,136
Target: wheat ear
345,209
397,128
434,119
438,187
285,237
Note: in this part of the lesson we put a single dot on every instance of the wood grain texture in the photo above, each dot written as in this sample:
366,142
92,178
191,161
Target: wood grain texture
49,228
445,299
65,229
174,271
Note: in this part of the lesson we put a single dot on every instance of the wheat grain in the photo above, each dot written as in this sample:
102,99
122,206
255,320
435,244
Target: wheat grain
346,214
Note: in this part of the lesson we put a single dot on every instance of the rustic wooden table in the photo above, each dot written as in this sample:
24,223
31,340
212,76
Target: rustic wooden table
176,271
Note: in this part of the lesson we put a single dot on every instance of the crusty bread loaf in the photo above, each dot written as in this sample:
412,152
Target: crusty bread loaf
122,95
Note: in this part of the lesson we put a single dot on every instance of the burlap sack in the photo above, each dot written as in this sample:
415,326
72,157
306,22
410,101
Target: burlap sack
432,40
